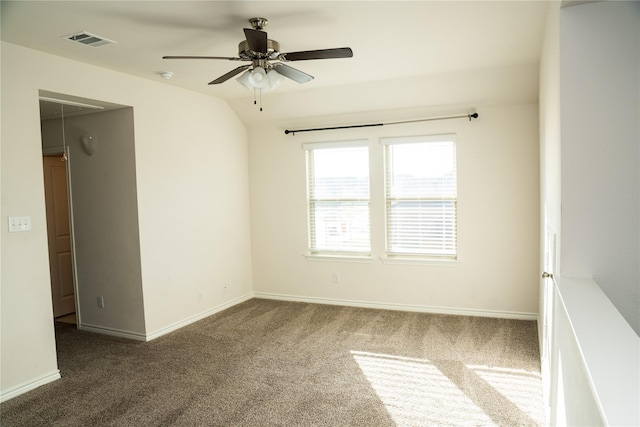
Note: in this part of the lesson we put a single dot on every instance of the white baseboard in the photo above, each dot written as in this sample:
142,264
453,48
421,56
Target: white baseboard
112,332
28,386
199,316
401,307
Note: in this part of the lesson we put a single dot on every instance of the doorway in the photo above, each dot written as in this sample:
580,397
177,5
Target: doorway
59,116
57,209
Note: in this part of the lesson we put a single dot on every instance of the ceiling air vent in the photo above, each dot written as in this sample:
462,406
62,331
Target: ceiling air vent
89,39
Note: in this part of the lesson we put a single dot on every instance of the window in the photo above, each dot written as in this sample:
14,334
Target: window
420,196
338,198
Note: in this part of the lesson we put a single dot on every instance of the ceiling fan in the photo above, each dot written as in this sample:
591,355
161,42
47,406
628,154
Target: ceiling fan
265,57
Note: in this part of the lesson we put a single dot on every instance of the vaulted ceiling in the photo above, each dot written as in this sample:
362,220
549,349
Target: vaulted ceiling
391,40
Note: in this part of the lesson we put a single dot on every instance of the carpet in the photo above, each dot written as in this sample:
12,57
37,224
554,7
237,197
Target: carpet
275,363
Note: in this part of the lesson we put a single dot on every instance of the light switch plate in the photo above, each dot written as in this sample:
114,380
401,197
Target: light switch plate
19,223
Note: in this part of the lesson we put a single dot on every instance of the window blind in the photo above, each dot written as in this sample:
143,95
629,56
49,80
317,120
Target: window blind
421,196
338,198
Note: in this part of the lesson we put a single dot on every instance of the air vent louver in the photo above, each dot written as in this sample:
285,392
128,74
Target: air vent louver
89,39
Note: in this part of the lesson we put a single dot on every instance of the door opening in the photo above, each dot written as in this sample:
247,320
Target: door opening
54,108
71,127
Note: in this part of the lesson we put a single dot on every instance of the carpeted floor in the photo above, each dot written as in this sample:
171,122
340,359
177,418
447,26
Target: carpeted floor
274,363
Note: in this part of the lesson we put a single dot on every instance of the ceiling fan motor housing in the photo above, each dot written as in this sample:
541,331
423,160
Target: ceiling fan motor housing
273,50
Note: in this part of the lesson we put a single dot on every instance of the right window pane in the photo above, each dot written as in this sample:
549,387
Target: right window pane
421,196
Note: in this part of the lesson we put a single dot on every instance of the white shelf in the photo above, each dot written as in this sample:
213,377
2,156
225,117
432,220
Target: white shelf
610,349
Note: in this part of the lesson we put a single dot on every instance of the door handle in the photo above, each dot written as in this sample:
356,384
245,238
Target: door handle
546,275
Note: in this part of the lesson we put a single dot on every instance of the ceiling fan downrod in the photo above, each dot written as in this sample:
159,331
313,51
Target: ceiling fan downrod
258,23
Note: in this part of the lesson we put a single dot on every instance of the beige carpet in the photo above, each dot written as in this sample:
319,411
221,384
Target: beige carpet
272,363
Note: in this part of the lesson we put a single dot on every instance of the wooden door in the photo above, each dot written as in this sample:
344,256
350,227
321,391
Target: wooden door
60,259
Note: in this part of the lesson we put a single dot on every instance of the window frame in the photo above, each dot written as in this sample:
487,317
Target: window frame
418,256
313,252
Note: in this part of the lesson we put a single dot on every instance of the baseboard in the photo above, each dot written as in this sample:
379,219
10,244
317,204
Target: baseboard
199,316
163,331
28,386
401,307
112,332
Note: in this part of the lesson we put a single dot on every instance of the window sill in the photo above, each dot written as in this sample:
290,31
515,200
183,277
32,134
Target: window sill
443,262
339,258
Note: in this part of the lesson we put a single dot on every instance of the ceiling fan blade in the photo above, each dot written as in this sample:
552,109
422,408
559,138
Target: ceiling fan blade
230,74
230,58
257,40
292,73
340,52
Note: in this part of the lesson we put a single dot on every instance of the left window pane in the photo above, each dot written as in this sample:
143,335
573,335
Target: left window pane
338,199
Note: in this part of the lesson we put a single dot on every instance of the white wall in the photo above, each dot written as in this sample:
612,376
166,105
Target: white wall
600,100
589,88
497,273
193,204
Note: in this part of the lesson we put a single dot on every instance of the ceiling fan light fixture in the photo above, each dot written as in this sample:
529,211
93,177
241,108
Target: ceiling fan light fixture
244,79
258,78
274,79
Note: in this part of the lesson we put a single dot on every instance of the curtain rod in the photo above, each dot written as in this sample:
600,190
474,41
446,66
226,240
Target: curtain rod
469,116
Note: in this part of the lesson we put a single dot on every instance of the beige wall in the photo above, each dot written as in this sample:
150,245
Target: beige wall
497,272
193,204
27,354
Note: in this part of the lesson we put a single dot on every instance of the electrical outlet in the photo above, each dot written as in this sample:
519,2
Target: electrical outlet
199,296
100,302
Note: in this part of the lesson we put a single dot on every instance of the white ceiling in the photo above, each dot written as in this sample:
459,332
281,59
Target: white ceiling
390,39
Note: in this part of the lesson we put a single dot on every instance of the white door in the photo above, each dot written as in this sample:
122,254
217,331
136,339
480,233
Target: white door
546,317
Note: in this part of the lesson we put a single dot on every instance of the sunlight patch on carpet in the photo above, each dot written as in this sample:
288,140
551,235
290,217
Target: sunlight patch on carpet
415,392
519,386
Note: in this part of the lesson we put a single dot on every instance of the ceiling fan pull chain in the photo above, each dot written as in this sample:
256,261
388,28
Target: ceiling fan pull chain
64,139
260,95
